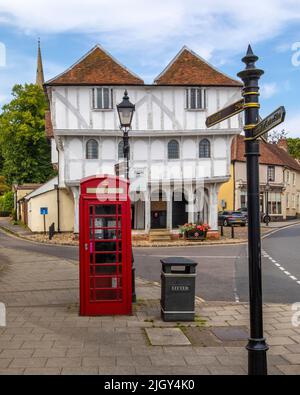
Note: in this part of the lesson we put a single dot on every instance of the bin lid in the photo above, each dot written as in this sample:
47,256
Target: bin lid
178,261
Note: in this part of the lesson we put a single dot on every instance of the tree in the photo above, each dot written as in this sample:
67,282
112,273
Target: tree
3,186
7,202
275,136
24,147
294,147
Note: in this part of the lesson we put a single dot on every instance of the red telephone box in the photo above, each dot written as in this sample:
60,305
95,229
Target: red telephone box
105,247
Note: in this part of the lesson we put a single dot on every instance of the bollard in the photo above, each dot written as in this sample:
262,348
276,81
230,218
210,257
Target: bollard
232,232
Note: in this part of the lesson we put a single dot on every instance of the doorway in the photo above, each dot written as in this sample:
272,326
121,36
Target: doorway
179,210
158,210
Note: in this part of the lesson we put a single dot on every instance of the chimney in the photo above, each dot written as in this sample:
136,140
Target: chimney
282,143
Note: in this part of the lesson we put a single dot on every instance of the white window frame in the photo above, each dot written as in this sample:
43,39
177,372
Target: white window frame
288,177
271,170
293,201
294,179
287,200
95,98
203,98
275,197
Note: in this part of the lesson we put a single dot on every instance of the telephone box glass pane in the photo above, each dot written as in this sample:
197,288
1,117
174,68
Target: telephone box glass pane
108,294
107,246
104,222
108,270
105,209
106,282
108,258
105,252
106,234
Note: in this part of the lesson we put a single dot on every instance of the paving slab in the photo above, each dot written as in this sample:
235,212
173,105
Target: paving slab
231,333
167,337
45,335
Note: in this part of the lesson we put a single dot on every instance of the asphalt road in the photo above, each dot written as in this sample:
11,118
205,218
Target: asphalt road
222,270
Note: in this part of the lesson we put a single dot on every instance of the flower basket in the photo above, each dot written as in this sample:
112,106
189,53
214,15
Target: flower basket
195,235
194,231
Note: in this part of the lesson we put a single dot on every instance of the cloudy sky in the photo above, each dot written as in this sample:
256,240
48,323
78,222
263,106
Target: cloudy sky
145,35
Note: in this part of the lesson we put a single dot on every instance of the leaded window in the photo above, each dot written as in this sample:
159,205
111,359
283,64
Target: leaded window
92,149
173,149
102,98
204,148
196,99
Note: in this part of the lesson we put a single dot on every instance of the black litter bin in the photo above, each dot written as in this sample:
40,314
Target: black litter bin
178,289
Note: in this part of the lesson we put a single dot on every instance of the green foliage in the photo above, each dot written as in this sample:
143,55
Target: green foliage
294,147
7,202
24,147
3,186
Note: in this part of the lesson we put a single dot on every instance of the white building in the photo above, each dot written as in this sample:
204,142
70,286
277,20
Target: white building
169,142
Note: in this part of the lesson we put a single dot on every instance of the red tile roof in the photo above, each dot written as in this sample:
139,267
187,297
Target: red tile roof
97,68
187,68
270,154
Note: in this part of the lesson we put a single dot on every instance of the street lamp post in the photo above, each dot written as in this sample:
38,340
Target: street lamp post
257,346
126,110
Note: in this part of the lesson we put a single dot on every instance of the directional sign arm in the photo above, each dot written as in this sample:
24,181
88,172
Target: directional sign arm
269,123
225,113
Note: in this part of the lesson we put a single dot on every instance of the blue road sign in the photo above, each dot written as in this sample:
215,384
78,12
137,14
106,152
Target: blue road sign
44,210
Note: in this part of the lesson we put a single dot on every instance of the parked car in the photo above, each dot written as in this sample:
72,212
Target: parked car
243,211
263,217
230,218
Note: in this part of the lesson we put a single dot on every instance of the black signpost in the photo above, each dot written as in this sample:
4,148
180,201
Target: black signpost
254,128
257,346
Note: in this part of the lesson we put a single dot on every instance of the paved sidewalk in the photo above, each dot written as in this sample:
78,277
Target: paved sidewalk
45,335
19,230
281,224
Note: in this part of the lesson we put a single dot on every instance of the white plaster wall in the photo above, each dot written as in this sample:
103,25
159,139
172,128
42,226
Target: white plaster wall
157,149
189,149
219,168
75,148
109,148
75,171
54,153
140,150
157,108
220,147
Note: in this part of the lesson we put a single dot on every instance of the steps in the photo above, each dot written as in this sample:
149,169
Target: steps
156,235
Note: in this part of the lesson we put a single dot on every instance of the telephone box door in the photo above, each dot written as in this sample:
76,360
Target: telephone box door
105,274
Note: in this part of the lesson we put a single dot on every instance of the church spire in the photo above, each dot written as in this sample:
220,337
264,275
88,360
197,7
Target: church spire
39,72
